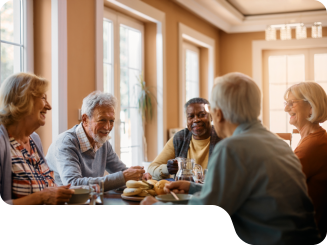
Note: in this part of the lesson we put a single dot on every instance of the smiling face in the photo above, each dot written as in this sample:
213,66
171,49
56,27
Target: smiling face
198,121
40,108
299,112
98,127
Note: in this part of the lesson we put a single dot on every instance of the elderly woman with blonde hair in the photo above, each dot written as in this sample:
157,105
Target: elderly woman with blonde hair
25,177
306,103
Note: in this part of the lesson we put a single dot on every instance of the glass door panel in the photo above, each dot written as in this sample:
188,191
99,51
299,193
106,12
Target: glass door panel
320,72
283,72
130,118
108,56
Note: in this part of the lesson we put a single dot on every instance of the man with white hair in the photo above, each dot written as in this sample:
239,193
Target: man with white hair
83,152
253,175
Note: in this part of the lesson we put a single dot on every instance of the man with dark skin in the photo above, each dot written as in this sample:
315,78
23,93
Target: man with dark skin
196,141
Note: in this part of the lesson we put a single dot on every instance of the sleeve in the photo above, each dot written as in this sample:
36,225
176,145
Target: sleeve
225,181
2,166
158,168
68,164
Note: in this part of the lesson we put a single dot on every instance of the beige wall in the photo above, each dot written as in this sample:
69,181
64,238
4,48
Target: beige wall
80,55
236,50
174,15
42,59
150,77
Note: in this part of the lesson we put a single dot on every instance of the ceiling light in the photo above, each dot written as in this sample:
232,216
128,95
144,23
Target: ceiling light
285,32
270,33
301,31
316,30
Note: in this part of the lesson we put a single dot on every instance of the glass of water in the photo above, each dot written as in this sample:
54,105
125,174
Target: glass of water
96,190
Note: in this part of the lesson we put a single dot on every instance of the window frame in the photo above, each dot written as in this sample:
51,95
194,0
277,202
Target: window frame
202,41
120,19
26,37
195,49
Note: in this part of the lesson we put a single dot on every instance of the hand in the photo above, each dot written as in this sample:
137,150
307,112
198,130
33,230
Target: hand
172,166
179,187
146,176
57,195
133,173
148,201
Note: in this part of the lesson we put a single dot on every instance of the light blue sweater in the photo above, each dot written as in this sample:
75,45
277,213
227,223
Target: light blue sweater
258,180
5,163
72,166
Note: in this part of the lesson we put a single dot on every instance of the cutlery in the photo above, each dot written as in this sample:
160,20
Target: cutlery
174,195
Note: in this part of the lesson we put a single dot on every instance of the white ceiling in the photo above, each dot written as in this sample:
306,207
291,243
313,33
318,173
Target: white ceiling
256,7
255,15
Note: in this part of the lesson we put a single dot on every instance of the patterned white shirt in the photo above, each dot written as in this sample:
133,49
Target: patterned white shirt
84,141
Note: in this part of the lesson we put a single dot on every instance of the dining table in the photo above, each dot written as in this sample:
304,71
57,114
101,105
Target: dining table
113,197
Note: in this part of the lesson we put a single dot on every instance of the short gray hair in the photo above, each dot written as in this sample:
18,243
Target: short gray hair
97,98
237,96
197,100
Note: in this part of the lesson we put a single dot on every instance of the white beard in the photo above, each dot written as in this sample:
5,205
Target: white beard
97,138
101,140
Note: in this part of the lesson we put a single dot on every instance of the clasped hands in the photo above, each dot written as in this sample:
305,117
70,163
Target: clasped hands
136,173
178,187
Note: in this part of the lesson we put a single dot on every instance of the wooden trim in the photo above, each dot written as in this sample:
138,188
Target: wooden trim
59,66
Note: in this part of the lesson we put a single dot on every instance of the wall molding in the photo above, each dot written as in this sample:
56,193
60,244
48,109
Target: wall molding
59,66
28,36
99,44
227,18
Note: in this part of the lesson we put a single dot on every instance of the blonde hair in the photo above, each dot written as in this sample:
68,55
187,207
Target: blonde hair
16,96
315,95
238,97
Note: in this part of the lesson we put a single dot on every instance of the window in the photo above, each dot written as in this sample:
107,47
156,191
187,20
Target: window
108,56
283,69
191,70
11,16
191,74
196,62
122,65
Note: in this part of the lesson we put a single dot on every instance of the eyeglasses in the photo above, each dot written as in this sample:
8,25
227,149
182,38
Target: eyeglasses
291,102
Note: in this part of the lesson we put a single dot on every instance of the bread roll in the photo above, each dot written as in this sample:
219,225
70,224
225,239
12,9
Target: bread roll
152,192
152,181
136,184
144,193
160,186
132,191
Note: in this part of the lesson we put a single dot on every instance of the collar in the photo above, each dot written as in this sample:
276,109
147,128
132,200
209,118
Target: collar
84,141
245,126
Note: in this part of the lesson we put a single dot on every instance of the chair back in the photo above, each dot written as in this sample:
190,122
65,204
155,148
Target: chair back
286,137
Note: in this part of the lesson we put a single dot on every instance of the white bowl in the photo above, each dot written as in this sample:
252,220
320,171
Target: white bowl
183,198
80,196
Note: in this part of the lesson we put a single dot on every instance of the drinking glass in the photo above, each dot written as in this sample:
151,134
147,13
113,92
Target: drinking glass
198,175
96,190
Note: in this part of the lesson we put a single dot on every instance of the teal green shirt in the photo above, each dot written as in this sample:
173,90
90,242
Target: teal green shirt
256,178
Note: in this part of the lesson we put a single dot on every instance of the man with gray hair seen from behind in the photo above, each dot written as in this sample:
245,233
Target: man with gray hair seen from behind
253,175
83,152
